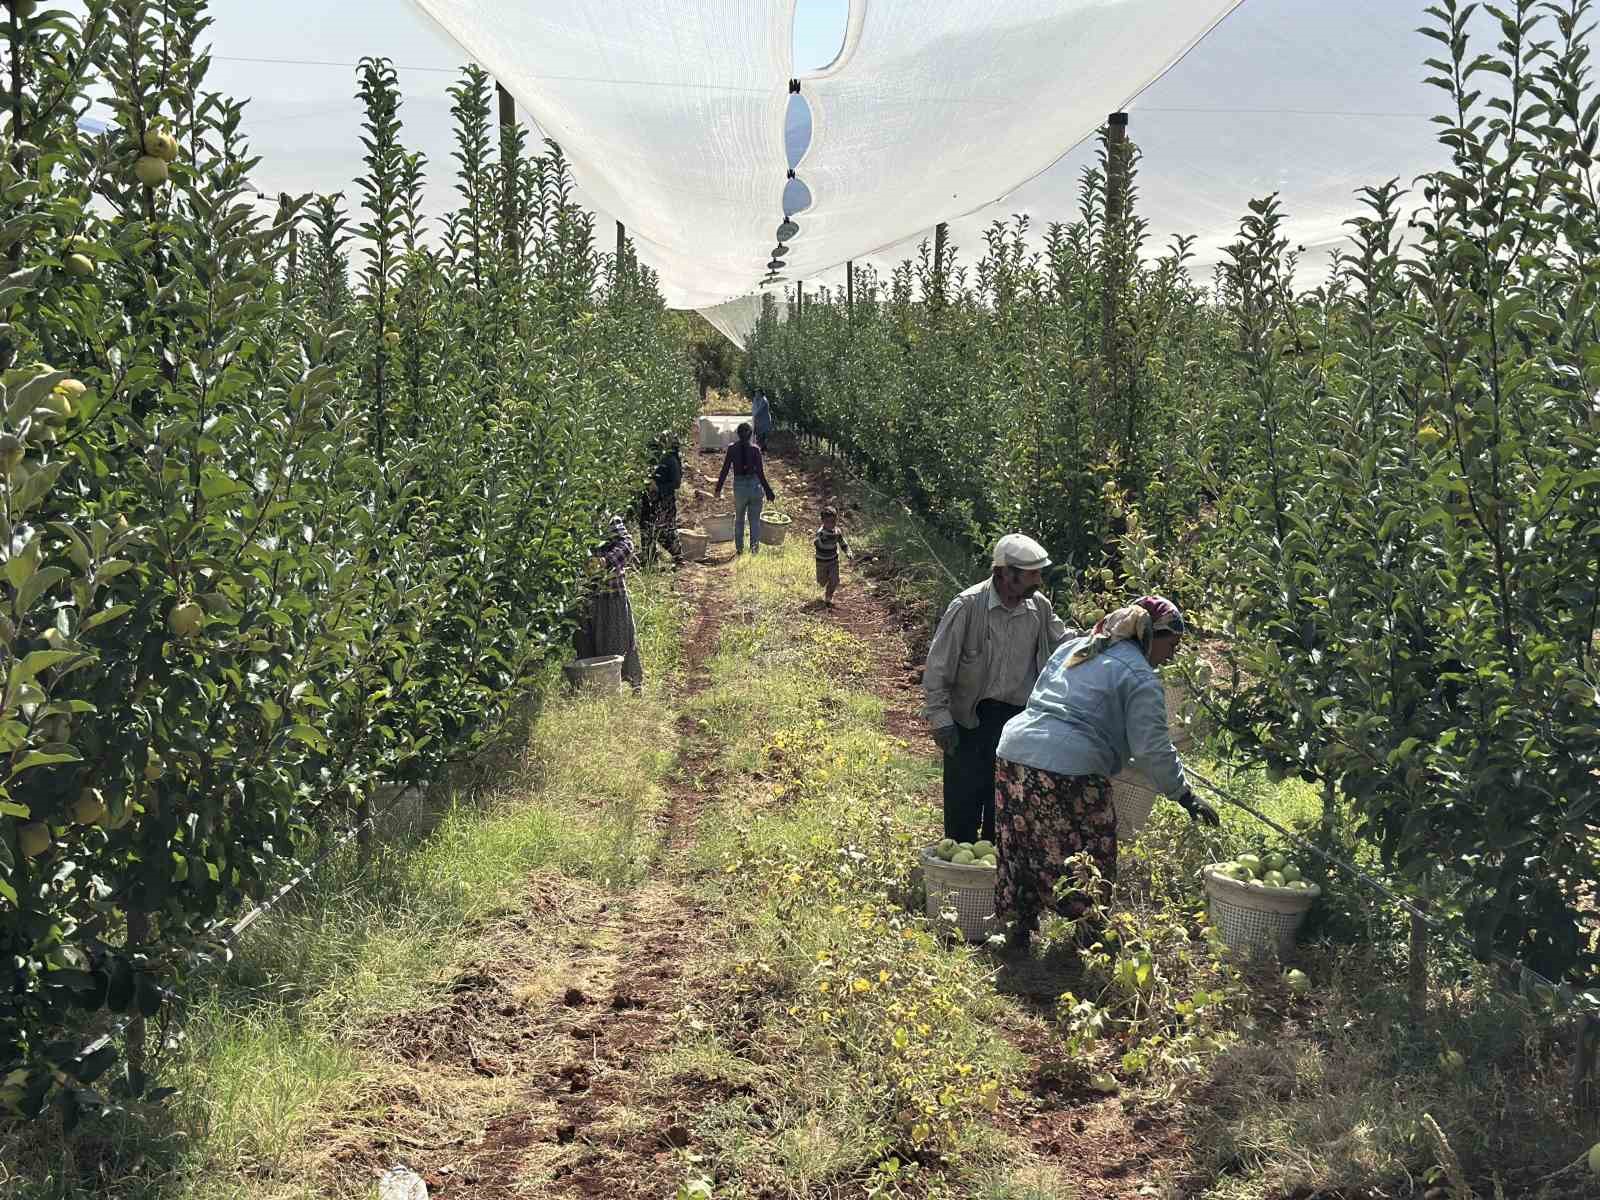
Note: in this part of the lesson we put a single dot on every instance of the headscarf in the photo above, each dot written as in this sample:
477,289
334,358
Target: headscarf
1140,622
617,550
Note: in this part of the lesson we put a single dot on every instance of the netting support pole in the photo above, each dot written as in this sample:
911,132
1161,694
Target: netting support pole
1114,260
508,165
941,233
850,288
622,247
799,300
294,244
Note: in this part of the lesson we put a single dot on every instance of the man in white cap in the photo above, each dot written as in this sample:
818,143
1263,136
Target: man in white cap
991,644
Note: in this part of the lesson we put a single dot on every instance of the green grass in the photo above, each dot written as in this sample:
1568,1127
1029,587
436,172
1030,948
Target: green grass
266,1051
808,855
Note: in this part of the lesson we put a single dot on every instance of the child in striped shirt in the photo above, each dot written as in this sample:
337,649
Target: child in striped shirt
829,540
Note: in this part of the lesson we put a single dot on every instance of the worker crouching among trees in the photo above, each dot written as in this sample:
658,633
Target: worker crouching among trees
990,646
1098,703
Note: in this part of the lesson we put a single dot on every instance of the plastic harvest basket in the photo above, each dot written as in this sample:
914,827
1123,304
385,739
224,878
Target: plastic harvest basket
1253,918
1133,798
968,890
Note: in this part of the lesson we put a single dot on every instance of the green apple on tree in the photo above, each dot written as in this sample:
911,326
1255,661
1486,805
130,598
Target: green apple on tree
34,838
150,170
158,143
79,264
186,619
88,808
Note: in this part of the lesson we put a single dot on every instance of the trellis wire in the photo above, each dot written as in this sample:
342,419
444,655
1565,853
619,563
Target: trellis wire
226,941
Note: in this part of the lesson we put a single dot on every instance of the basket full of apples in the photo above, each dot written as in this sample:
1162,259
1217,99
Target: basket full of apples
1258,901
959,877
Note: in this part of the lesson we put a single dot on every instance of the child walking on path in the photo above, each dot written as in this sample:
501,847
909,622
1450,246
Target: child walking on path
829,541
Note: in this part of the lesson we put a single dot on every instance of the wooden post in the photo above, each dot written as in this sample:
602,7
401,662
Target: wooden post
799,300
138,934
1417,975
941,232
1585,1050
508,166
294,245
1114,268
850,288
622,247
1116,215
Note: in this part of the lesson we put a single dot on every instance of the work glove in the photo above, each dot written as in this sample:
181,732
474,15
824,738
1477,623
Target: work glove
947,737
1198,809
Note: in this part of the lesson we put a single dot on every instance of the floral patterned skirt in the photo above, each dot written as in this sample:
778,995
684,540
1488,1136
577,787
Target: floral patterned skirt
1041,820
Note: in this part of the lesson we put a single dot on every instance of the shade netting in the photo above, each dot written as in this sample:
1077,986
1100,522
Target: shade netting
674,115
673,112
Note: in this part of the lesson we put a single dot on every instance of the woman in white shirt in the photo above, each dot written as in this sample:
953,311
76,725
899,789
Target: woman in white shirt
1098,703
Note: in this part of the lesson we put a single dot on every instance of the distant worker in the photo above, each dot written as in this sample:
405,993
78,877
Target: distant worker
658,510
749,482
1098,704
761,418
991,644
828,541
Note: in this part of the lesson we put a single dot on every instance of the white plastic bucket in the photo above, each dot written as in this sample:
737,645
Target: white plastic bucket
718,528
693,544
774,529
602,674
719,432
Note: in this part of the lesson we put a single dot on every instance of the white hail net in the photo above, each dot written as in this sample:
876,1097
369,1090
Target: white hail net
673,114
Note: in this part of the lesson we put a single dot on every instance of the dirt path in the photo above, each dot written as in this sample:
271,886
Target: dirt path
569,1042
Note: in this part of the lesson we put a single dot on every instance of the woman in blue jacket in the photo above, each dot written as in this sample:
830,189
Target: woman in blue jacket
1098,703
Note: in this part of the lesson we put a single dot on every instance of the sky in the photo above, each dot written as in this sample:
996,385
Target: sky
1308,97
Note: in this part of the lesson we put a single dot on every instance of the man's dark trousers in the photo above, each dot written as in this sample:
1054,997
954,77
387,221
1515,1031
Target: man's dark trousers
969,774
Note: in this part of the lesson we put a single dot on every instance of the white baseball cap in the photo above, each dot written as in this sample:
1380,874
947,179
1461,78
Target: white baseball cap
1020,551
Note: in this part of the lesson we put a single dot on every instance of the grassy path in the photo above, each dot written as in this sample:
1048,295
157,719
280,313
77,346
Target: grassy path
759,1009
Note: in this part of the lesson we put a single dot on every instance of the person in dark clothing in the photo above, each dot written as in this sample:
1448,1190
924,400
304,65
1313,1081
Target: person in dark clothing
658,510
749,482
761,419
